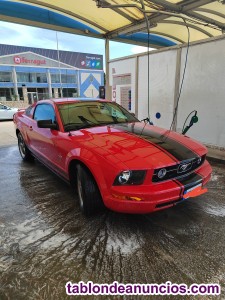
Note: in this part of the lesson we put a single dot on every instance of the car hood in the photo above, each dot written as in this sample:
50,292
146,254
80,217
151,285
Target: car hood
143,146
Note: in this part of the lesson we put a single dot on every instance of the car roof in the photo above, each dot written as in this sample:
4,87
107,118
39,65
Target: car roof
71,100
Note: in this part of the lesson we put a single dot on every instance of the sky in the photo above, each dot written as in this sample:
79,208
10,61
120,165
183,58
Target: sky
21,35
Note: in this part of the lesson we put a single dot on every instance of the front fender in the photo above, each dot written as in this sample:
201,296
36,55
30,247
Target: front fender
103,170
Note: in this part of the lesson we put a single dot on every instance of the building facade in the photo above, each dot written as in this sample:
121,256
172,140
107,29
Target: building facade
31,74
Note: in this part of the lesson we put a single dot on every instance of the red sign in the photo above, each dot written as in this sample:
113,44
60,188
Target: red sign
23,60
17,60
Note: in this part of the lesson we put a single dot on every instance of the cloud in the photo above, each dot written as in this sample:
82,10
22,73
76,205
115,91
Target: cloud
140,49
21,35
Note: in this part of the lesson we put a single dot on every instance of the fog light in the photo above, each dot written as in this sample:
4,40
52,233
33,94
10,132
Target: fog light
123,197
134,198
161,173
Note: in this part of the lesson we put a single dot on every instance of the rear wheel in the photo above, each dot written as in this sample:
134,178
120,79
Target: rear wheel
90,199
24,151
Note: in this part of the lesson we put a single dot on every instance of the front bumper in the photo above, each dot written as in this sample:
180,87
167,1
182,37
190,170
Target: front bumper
155,196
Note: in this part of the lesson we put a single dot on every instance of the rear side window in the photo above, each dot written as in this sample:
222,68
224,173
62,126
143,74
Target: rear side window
44,112
3,106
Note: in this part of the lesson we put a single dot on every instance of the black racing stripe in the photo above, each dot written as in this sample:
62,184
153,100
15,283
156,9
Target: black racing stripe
162,149
181,187
199,174
171,146
190,181
197,155
127,129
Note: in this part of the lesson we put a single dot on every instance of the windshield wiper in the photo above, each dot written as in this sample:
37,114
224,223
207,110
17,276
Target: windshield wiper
78,126
72,126
86,121
87,126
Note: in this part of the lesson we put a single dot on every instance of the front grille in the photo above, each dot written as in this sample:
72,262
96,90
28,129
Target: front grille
179,170
167,203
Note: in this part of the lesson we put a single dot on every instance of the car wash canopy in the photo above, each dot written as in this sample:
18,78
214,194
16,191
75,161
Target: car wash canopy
123,20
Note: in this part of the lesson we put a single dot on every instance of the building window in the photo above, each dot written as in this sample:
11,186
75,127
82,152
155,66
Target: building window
65,78
32,77
6,94
41,77
23,77
5,77
20,92
55,78
70,93
71,78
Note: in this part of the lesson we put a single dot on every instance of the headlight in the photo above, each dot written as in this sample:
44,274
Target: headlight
130,177
124,177
199,160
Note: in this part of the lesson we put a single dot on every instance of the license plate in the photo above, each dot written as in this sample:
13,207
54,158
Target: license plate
191,192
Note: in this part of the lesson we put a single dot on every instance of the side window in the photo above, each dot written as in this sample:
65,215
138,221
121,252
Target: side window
44,112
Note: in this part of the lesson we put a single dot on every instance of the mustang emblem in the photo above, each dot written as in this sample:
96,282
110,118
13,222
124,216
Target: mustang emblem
184,167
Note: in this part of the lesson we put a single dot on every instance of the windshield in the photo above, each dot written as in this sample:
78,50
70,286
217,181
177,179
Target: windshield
93,113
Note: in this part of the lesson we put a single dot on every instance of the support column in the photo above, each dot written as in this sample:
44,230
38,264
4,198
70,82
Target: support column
56,92
108,91
177,87
136,85
25,96
49,84
78,82
14,77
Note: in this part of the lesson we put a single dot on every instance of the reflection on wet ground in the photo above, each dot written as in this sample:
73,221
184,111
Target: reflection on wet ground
45,241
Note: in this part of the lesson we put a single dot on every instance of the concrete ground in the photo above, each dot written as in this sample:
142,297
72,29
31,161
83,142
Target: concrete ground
7,134
45,241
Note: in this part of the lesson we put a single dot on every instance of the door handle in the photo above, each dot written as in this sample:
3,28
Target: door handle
31,128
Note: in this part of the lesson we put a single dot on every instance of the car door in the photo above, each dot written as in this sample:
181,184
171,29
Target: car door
1,112
42,140
4,112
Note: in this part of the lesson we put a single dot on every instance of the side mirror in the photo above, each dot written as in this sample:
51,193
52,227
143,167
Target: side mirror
47,124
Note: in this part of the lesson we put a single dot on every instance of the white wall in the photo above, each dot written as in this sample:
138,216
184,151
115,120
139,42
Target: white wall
203,89
161,88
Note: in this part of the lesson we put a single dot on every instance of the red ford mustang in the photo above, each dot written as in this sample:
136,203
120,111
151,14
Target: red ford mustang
110,156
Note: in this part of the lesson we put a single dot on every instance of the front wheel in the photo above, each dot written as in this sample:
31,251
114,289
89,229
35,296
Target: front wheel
24,151
90,199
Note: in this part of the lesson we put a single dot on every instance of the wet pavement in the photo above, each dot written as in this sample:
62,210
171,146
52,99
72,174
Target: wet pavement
45,241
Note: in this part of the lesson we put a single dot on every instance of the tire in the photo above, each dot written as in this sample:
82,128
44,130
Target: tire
90,200
24,151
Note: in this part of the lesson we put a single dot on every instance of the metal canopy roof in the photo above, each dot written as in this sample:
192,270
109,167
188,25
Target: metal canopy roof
122,20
